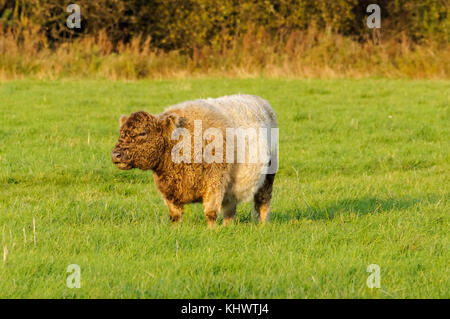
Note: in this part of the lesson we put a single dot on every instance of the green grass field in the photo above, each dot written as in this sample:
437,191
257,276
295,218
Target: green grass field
363,179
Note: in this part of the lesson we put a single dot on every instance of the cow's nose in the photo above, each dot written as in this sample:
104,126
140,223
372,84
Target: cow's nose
115,156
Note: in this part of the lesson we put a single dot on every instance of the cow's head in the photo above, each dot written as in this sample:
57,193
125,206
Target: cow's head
143,140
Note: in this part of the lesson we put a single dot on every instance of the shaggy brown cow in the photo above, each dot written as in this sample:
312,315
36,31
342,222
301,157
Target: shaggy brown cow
147,142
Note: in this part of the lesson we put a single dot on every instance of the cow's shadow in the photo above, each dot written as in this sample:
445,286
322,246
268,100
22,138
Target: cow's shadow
358,206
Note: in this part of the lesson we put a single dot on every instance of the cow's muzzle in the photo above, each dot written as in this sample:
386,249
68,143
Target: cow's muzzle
116,156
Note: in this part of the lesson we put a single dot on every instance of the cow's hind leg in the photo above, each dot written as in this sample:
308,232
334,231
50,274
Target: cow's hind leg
262,198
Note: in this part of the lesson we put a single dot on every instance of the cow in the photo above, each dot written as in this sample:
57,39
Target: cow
213,169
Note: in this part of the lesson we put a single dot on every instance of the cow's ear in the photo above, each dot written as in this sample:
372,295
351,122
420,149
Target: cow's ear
122,120
173,120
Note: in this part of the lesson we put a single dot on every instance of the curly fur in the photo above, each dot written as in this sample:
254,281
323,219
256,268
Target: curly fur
145,143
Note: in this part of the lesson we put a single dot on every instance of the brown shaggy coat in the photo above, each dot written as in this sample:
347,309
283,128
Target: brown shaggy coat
145,142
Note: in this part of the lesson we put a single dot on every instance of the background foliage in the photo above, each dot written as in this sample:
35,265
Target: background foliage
187,24
166,38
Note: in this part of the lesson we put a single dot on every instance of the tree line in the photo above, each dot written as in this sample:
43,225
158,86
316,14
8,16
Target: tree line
188,24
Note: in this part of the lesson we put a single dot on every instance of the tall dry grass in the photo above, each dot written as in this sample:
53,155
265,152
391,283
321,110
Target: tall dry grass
309,53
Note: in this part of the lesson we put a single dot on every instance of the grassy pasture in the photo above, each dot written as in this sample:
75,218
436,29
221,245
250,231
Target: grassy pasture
363,179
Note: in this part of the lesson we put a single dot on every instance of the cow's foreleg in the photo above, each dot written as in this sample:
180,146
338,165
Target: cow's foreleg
175,212
229,211
212,202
